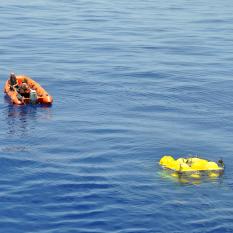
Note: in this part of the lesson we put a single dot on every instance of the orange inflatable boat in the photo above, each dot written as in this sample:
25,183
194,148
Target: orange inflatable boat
37,94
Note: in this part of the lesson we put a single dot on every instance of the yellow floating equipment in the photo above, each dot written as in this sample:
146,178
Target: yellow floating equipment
191,164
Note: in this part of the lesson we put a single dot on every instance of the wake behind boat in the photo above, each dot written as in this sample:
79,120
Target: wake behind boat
24,90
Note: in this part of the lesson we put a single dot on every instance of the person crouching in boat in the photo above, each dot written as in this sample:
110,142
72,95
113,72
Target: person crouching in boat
14,85
23,91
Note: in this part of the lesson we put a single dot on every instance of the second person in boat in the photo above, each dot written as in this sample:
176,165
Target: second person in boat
24,90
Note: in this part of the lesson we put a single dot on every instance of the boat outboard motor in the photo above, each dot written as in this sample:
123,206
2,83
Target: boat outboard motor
221,163
33,97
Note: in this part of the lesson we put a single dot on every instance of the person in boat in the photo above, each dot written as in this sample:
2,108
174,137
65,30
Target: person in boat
24,90
13,82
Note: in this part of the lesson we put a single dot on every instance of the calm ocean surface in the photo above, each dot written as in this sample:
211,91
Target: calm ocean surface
131,81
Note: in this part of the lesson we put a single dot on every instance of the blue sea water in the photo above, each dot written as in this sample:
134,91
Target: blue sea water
131,81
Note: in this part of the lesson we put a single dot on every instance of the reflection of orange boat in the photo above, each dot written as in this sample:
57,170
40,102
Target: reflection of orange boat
37,94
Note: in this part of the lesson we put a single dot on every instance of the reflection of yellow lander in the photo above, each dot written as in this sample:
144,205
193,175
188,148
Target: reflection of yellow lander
192,167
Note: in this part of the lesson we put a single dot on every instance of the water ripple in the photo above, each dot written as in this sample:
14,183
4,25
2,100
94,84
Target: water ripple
131,81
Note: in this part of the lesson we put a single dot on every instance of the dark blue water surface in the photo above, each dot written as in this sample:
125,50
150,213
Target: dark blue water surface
131,81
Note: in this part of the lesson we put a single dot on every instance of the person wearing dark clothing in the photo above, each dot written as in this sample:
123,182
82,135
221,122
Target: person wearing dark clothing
24,90
13,82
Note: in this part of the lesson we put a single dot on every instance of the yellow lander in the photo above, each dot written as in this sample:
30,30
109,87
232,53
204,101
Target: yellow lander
191,164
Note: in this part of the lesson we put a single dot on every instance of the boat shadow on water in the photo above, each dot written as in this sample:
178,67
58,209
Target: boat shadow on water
22,119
